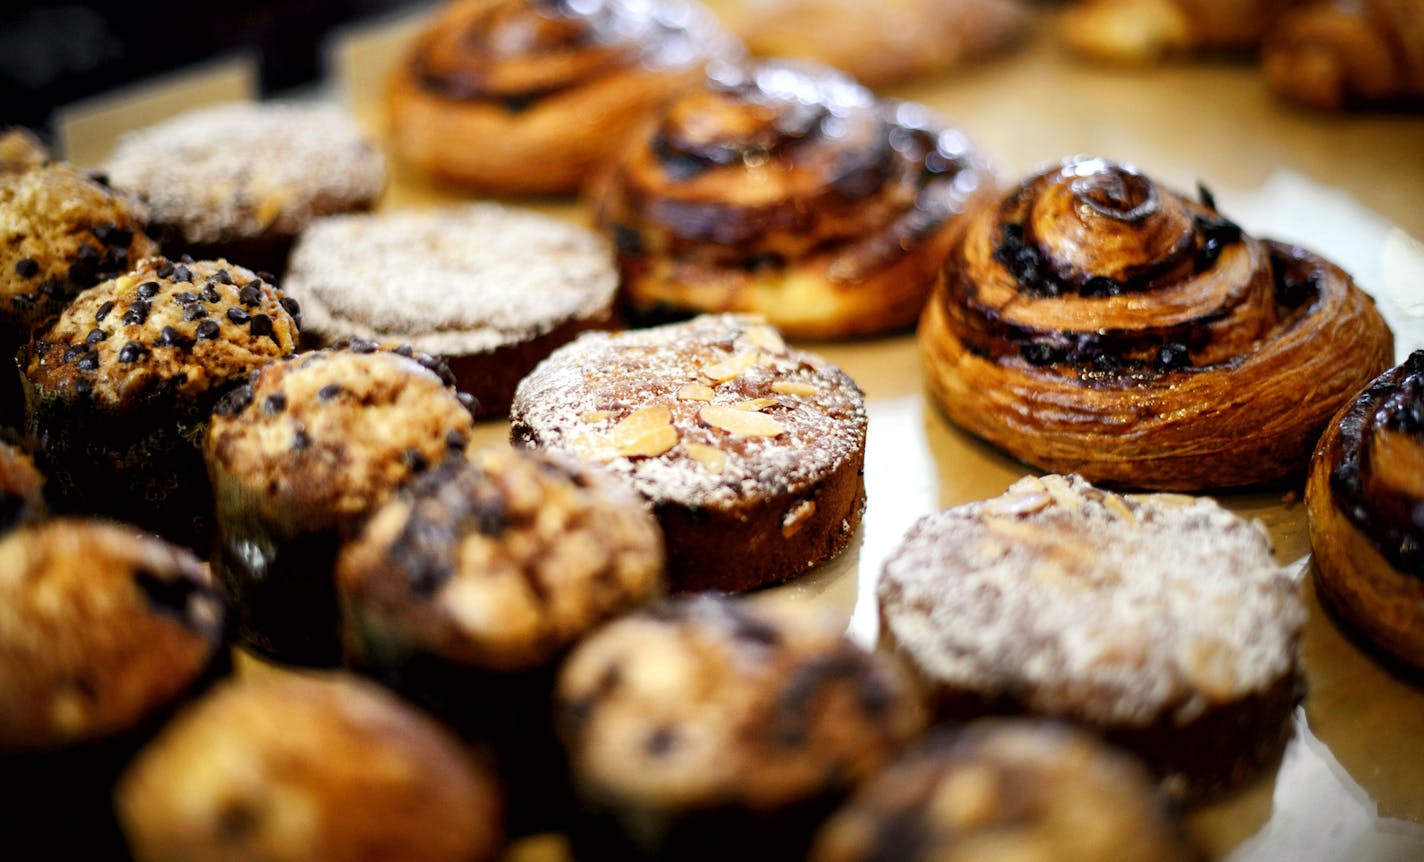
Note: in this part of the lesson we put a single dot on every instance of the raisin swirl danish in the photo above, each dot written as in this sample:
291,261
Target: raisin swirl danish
1095,322
787,190
524,96
1365,499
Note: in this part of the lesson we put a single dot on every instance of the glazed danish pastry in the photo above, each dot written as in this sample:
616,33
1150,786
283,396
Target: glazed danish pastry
524,96
1338,55
787,190
1365,499
1141,31
1093,321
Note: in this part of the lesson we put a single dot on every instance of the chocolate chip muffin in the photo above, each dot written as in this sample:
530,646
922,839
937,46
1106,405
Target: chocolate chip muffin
1159,620
103,631
467,589
241,180
1007,791
282,767
21,489
118,390
299,457
720,728
60,232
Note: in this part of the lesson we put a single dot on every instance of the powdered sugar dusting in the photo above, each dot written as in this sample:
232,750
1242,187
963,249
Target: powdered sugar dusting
1109,608
457,280
239,169
576,397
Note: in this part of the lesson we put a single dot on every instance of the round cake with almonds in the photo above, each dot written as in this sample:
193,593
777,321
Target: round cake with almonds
749,452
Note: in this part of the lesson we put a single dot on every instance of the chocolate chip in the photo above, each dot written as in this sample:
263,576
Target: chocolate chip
1295,292
42,347
147,290
517,104
221,277
405,350
165,269
137,313
88,252
170,337
361,345
456,441
627,240
468,401
195,311
415,460
1101,286
81,272
185,258
1172,357
89,361
74,352
660,742
182,273
250,295
301,440
114,259
267,277
119,236
103,311
27,267
1040,354
211,294
50,288
132,352
207,330
238,315
275,403
95,336
292,307
329,391
261,325
235,401
185,297
84,387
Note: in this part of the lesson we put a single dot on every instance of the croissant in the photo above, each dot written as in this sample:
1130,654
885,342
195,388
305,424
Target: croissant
1365,501
524,96
1140,31
1349,53
787,190
1092,321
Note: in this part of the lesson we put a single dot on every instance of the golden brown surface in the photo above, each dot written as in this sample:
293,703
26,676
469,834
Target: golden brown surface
278,768
21,150
1334,55
1138,31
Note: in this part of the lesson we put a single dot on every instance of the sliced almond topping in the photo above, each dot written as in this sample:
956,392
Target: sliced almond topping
742,422
796,517
695,392
793,387
1024,503
645,433
721,372
1120,508
595,416
765,337
754,404
711,457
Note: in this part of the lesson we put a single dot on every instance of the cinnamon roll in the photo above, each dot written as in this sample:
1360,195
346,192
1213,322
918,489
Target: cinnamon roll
787,190
1142,31
1093,321
1365,500
524,96
1336,55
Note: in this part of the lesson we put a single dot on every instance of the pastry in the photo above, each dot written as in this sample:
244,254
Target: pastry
1006,791
491,289
787,190
525,96
299,456
103,633
60,232
1142,31
720,728
119,388
466,590
286,768
240,180
21,150
749,453
1093,321
1161,621
881,43
1360,53
21,489
1365,500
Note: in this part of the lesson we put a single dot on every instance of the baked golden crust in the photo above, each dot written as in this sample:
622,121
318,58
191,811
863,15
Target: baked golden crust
21,150
21,489
280,767
1141,31
1335,55
1094,322
787,190
881,43
1006,791
525,96
1365,500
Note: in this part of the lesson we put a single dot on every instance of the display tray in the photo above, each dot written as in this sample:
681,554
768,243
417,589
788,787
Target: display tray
1350,785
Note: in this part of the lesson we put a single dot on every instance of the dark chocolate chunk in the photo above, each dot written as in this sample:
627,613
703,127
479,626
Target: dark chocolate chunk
292,307
132,352
165,269
261,325
27,267
103,311
95,336
194,311
185,298
250,295
238,315
182,273
137,313
207,330
170,337
275,403
74,352
89,362
147,290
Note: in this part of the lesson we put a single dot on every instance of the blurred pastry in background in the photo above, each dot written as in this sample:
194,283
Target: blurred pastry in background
1145,31
490,289
240,180
21,489
284,768
21,149
525,96
881,43
788,190
1334,55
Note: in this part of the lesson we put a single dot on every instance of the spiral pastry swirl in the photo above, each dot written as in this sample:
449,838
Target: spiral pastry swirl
523,96
788,190
1365,499
1093,321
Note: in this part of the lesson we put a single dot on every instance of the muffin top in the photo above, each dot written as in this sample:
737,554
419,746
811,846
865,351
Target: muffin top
101,626
458,280
21,489
713,411
1006,791
1111,608
244,169
334,431
285,767
500,560
61,232
709,700
188,328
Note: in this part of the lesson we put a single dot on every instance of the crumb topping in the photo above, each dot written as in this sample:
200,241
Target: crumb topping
707,412
1082,602
457,280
